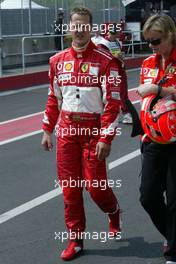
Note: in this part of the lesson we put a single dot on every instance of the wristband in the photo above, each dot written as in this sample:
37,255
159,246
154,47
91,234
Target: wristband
159,90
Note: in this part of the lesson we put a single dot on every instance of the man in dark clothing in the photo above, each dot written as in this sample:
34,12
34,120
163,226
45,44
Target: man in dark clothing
58,29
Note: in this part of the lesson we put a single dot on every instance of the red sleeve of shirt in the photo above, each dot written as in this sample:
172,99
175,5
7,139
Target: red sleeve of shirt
141,74
112,103
51,112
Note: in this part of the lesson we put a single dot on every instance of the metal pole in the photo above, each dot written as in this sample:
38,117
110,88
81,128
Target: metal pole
30,29
104,18
22,21
119,13
124,11
0,44
55,9
109,12
23,55
46,19
62,42
132,42
161,6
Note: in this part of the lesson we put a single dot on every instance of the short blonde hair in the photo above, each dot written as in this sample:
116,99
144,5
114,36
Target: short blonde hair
161,23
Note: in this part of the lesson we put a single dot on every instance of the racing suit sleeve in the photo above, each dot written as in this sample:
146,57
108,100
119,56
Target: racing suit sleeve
141,74
112,103
51,111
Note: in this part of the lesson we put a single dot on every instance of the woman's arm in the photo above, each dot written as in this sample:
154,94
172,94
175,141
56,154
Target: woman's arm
147,89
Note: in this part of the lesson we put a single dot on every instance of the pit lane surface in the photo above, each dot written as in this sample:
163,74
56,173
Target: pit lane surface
27,172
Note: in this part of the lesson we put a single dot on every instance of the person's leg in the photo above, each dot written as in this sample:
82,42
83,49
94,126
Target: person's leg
154,170
170,254
97,185
69,175
95,172
57,41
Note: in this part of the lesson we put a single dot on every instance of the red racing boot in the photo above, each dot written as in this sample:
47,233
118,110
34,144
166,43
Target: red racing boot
115,222
74,248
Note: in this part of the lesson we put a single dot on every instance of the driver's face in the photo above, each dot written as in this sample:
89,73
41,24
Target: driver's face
80,29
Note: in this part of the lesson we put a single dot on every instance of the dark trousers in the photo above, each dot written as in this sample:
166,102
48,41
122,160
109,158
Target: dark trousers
158,190
57,41
124,91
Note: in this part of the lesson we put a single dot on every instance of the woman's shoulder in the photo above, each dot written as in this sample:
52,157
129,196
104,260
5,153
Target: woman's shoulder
150,61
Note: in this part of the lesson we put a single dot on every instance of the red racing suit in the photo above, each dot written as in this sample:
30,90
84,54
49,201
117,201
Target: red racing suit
83,104
152,73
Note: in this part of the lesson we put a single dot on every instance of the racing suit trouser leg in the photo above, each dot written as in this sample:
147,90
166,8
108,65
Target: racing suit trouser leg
96,175
69,175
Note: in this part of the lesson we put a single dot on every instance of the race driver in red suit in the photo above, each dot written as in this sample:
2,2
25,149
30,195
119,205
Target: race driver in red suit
79,99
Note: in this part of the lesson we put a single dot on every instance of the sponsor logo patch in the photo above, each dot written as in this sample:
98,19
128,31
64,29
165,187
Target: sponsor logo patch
114,73
94,70
172,70
152,73
84,67
89,68
64,77
115,95
68,66
145,71
59,66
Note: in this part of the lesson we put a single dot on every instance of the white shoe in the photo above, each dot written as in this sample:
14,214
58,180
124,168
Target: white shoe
170,262
127,119
165,246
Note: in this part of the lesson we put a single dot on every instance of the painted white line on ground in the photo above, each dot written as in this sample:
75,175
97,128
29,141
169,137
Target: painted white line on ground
132,89
136,102
20,137
19,118
52,194
23,90
123,159
132,70
29,205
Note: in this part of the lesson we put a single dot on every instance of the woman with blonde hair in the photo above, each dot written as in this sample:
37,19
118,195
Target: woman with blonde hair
158,181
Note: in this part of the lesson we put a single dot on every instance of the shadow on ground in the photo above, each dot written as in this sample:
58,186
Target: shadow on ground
135,246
